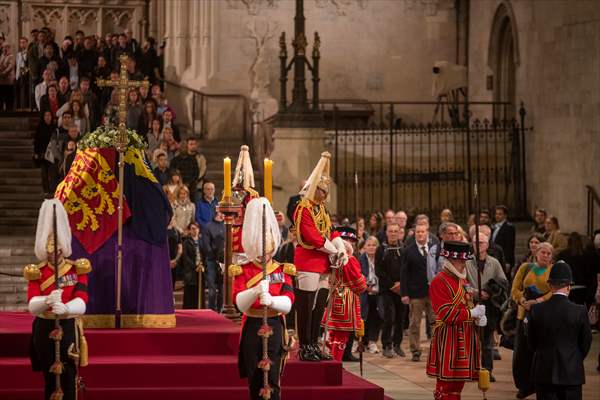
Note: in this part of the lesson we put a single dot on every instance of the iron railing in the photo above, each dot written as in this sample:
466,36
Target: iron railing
227,111
593,201
425,167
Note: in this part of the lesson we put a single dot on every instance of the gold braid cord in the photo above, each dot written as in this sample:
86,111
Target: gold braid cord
320,217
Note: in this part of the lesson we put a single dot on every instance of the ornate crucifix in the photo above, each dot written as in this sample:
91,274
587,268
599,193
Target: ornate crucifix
122,85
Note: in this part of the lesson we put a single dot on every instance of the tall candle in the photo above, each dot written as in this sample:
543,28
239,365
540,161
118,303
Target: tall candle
268,179
227,178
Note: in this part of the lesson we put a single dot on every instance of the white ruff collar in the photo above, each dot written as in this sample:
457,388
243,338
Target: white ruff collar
448,265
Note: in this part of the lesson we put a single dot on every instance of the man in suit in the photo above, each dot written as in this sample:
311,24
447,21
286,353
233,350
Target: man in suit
559,334
504,235
414,286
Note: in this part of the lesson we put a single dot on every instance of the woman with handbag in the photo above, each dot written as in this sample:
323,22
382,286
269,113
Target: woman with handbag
369,300
529,287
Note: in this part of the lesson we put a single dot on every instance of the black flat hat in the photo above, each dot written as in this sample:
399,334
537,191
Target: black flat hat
456,250
347,233
560,274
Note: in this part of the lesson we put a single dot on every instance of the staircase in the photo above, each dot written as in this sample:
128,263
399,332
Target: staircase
20,199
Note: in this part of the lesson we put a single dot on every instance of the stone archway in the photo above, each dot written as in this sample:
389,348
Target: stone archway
503,59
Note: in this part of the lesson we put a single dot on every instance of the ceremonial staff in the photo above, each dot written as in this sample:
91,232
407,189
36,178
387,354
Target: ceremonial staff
265,330
123,84
57,333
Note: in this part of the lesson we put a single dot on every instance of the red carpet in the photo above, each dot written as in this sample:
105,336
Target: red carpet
196,360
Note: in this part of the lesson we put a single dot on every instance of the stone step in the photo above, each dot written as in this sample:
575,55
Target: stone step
15,260
17,156
20,164
12,133
14,299
21,204
10,229
16,146
16,241
26,189
19,195
7,172
20,180
13,288
16,143
7,250
18,213
17,307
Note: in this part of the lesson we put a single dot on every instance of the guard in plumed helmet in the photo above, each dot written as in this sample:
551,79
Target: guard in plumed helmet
252,293
243,193
559,334
316,244
49,300
342,315
454,352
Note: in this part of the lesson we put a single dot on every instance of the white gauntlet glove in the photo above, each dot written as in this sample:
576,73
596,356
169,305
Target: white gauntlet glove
478,311
60,308
54,297
266,299
481,321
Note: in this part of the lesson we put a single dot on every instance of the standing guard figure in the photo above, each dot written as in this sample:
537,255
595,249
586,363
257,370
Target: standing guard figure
316,244
454,354
243,193
251,293
342,316
49,300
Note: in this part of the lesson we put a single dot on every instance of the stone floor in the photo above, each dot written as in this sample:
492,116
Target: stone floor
403,379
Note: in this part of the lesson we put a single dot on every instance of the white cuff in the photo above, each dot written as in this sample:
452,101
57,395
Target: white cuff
329,248
75,307
245,299
281,304
37,305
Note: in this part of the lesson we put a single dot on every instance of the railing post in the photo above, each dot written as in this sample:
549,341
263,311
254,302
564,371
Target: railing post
522,114
391,160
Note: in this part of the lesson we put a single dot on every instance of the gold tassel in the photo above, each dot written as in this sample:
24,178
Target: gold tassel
484,380
56,368
57,395
83,351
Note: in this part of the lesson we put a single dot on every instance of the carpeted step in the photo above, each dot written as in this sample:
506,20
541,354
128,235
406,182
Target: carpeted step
351,388
174,371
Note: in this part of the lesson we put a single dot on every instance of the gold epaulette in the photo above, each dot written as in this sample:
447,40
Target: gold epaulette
289,269
235,270
253,193
32,272
83,266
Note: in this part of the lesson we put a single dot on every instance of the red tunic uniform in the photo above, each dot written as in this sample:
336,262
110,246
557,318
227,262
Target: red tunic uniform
72,278
347,283
250,352
454,352
313,227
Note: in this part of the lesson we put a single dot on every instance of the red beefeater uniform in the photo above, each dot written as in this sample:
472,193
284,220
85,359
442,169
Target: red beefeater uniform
250,353
454,353
313,227
343,314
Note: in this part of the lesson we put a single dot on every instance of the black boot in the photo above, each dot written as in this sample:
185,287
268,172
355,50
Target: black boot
307,353
348,356
319,353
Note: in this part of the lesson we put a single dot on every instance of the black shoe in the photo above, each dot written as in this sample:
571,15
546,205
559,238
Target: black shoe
492,379
350,358
416,357
496,354
306,353
521,394
398,350
322,356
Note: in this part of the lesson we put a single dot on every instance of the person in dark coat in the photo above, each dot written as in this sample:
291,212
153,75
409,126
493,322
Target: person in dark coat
191,265
213,247
387,269
583,262
504,235
42,137
559,334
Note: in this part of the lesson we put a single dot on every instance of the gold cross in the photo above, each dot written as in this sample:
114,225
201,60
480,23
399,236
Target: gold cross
123,85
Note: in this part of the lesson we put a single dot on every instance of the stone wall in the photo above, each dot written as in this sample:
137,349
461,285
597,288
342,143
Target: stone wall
558,79
371,49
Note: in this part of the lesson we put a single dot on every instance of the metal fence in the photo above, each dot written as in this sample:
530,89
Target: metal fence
424,168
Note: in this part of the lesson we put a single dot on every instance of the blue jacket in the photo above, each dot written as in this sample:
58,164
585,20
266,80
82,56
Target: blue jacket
205,211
